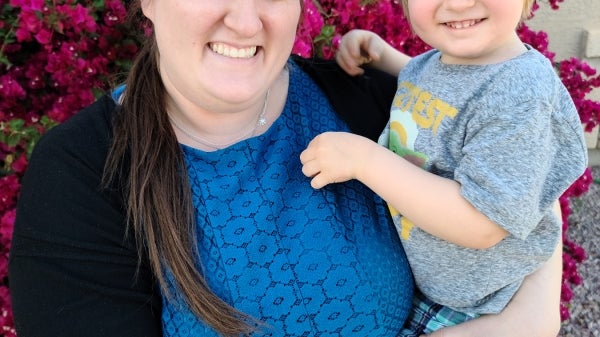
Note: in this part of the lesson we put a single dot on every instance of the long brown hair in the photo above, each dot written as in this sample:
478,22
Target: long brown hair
147,161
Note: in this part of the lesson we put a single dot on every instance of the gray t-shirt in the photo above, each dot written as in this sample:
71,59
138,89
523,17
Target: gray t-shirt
509,133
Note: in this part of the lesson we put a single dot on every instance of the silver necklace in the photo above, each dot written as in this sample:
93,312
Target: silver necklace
261,121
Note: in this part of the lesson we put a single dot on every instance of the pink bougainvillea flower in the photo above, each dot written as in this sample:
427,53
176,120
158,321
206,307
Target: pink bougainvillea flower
7,222
44,36
10,87
20,164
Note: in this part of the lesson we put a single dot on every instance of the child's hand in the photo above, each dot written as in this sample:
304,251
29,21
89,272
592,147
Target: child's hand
334,157
359,47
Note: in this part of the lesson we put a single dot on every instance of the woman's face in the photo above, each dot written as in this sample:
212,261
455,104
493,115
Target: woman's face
218,54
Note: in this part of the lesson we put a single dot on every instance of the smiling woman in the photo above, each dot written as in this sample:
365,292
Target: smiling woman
200,172
127,226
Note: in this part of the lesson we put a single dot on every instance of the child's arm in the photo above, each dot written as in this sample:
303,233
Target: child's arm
362,47
431,202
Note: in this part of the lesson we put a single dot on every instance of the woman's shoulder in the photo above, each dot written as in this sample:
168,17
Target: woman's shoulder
363,102
92,121
86,134
328,74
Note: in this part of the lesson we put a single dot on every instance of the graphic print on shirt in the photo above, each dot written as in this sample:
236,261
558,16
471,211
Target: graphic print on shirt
413,111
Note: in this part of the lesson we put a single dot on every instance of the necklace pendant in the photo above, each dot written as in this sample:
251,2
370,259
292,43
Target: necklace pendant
261,121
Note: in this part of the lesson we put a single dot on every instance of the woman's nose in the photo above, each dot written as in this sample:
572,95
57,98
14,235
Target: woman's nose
243,17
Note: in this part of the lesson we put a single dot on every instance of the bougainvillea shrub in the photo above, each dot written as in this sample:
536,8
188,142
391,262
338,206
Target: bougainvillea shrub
59,56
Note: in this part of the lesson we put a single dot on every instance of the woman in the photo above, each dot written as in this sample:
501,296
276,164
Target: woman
177,207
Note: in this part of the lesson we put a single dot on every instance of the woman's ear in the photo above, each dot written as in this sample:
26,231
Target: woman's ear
147,9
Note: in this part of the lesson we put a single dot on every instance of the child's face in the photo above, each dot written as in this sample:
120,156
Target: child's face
469,31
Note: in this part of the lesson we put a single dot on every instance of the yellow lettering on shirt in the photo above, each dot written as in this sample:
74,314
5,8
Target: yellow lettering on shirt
405,96
406,226
414,110
428,112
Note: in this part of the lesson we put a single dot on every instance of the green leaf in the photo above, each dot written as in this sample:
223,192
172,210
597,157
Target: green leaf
16,124
47,122
98,4
328,30
30,145
4,60
13,139
325,35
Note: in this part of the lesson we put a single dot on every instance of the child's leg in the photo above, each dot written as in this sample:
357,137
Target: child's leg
427,316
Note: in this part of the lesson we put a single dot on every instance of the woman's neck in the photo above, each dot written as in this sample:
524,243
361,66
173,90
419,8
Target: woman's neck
210,131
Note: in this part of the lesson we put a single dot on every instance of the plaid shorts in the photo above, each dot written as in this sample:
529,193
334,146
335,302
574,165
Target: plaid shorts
427,316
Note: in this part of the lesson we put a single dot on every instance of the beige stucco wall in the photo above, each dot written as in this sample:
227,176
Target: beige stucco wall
573,30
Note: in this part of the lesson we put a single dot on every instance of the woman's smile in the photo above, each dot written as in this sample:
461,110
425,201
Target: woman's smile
231,51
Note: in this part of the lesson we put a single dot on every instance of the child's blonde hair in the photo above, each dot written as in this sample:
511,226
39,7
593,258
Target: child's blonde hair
527,7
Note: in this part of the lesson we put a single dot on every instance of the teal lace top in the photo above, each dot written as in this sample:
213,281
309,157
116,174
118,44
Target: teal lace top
306,262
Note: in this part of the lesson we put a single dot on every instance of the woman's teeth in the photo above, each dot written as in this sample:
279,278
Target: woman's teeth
230,51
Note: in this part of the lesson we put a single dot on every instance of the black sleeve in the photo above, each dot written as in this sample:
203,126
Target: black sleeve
71,270
363,102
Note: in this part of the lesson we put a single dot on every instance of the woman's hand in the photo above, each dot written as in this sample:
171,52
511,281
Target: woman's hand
533,311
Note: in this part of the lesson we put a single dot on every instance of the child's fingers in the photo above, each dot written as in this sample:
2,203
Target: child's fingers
319,181
350,64
350,53
374,48
310,169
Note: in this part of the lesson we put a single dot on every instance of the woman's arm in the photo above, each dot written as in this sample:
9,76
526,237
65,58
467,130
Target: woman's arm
533,311
72,272
363,102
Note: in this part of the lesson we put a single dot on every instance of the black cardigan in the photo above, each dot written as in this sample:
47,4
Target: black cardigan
72,270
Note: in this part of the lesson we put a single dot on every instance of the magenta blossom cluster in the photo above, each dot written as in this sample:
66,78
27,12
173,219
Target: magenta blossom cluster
580,79
326,21
57,56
